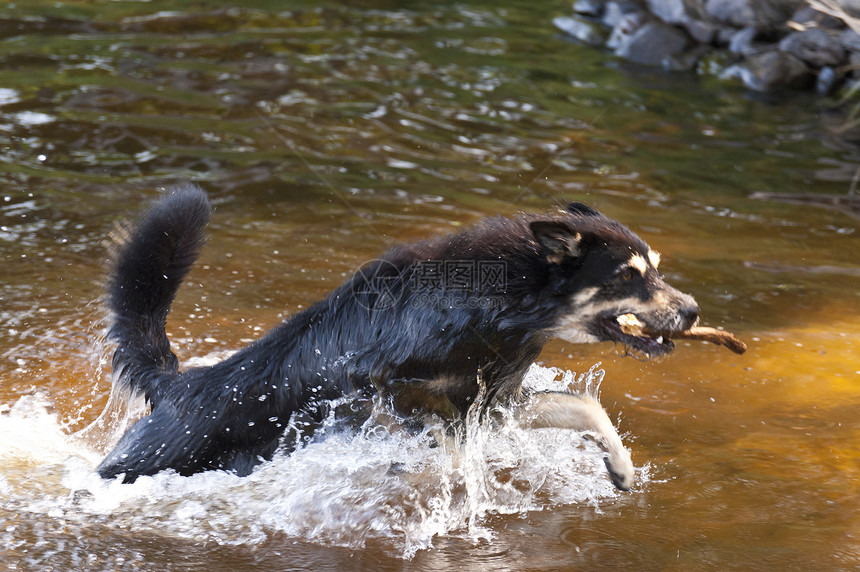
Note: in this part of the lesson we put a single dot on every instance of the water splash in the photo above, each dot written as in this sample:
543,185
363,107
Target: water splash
540,378
385,483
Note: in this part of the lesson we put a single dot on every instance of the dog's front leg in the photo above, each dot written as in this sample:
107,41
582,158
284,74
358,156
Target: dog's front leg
581,413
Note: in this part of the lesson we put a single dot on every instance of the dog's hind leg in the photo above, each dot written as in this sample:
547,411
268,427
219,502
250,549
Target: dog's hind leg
581,413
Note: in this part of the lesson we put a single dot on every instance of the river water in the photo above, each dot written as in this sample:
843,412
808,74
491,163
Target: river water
324,135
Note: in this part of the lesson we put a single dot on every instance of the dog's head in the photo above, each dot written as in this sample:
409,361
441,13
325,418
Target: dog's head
609,282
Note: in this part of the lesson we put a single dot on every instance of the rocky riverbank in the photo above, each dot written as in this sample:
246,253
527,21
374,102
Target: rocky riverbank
768,45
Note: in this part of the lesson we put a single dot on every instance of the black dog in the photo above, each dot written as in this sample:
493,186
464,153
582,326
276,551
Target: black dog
417,325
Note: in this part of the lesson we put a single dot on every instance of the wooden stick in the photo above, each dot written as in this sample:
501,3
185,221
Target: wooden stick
713,335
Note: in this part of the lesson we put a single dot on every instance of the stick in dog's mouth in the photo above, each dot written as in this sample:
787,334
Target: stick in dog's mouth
633,326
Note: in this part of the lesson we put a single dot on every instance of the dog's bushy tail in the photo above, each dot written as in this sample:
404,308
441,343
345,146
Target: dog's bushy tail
148,264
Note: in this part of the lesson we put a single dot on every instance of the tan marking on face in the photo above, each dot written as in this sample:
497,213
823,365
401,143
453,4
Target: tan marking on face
574,327
660,299
637,262
654,257
584,297
573,330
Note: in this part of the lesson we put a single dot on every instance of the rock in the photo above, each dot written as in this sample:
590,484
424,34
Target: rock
742,42
780,43
850,40
586,32
677,11
724,35
615,11
701,31
652,44
814,46
827,80
809,17
757,13
625,28
689,14
750,41
770,71
714,63
686,60
854,65
851,6
591,8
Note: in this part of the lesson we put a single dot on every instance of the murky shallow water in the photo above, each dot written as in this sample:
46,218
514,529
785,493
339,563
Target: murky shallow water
324,135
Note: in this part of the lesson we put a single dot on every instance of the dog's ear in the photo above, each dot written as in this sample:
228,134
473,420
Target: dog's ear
581,209
556,239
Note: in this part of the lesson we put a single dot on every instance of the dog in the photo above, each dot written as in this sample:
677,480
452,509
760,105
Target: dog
417,327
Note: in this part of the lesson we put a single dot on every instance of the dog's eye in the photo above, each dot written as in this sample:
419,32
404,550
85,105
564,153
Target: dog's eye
627,274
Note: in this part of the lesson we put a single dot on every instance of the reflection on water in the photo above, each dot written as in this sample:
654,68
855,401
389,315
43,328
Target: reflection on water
324,135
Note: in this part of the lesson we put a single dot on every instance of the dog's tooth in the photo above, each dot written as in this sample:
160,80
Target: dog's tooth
660,340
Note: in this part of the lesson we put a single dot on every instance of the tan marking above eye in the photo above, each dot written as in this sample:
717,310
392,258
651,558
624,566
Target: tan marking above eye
654,257
637,262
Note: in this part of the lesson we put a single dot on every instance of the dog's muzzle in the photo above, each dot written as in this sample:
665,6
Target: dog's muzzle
649,329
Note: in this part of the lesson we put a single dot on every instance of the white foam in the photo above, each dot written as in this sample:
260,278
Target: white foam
383,483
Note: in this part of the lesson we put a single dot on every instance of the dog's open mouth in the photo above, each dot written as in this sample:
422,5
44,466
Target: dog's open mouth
629,330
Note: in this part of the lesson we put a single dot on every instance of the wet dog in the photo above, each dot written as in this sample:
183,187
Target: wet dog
417,326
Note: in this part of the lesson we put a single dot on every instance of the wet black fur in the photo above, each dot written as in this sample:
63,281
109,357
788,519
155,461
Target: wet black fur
376,332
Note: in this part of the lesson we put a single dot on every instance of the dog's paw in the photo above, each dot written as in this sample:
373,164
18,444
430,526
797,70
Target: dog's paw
621,470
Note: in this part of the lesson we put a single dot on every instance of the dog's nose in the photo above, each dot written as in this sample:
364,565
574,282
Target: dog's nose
689,314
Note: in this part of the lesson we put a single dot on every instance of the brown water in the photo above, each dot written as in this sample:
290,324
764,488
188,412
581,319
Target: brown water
324,135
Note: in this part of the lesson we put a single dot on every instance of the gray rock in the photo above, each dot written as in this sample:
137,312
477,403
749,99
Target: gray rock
814,46
586,32
701,31
714,63
591,8
615,11
809,17
689,14
758,13
677,11
744,42
827,80
850,40
724,35
652,44
626,27
770,71
687,60
854,65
